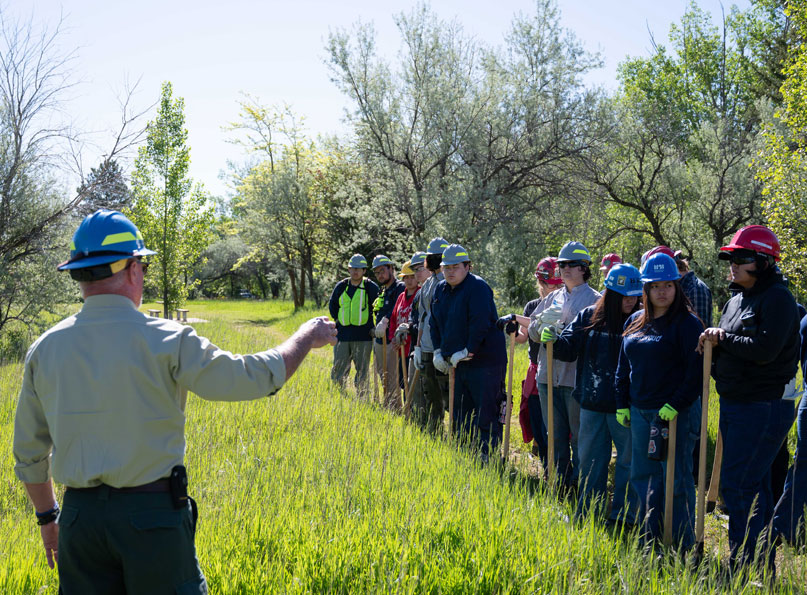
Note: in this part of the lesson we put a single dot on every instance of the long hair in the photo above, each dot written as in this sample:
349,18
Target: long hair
608,315
680,305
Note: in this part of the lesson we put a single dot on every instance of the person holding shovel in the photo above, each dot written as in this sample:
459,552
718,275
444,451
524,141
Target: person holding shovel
407,331
386,361
658,378
465,338
594,339
756,352
558,309
398,332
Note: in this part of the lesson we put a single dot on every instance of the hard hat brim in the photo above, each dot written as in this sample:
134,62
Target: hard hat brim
93,261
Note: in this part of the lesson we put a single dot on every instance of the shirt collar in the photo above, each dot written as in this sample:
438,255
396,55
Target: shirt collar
107,300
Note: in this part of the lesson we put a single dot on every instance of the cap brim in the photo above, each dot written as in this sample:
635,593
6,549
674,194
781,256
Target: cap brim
92,261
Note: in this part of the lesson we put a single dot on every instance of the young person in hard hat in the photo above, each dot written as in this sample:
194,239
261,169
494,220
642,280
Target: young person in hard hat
756,351
659,375
531,420
558,309
101,411
465,337
407,333
351,307
398,331
593,339
434,383
391,288
608,261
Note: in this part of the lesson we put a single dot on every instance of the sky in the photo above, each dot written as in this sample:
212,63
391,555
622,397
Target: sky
213,52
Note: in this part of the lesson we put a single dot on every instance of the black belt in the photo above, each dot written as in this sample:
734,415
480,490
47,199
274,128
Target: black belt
161,485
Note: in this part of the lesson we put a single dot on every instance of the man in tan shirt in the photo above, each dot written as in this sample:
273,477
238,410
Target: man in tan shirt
101,410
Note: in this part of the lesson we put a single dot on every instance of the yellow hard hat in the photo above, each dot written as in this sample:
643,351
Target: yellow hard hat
406,269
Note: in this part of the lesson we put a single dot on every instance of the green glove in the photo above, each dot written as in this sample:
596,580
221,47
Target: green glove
549,335
623,417
667,413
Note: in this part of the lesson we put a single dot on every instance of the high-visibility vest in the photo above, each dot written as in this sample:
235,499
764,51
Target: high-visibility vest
354,311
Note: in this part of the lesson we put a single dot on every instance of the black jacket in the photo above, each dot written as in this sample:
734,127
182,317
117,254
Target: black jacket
760,353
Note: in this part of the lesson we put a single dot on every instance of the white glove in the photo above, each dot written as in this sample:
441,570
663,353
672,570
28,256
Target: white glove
401,332
458,357
381,327
418,358
440,363
549,317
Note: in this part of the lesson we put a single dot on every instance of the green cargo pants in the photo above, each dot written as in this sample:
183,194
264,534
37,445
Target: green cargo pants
116,542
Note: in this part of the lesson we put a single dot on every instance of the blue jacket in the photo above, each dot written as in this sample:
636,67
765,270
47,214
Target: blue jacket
660,364
464,317
597,354
390,295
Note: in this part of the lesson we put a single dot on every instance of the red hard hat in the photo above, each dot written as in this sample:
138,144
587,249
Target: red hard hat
757,238
546,271
610,260
657,250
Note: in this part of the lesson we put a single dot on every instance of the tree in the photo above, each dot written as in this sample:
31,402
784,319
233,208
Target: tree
35,150
173,216
104,188
783,165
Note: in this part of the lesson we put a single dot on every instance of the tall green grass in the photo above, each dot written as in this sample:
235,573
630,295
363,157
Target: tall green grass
313,491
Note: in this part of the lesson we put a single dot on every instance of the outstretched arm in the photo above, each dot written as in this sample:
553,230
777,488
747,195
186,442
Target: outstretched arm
312,334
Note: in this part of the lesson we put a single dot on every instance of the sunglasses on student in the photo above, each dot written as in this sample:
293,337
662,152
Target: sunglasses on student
738,258
570,264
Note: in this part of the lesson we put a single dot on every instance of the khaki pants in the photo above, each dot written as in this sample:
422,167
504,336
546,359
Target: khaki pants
392,396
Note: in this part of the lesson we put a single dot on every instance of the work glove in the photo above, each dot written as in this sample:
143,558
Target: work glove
418,358
549,317
667,413
508,324
401,332
623,417
440,363
458,357
381,327
549,335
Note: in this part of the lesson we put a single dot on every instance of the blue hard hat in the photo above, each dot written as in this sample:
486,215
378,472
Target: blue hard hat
357,261
417,258
437,246
104,237
572,251
455,254
381,260
624,279
659,267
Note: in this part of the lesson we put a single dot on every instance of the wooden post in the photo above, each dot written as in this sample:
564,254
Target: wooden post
701,507
509,408
670,483
384,379
550,415
451,402
374,372
714,484
402,369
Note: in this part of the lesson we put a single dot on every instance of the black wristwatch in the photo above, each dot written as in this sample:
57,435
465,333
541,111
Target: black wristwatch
47,517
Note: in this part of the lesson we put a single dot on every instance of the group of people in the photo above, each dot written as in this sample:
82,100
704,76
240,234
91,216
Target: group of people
625,362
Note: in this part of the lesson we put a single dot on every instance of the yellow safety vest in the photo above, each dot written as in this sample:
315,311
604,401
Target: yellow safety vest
354,311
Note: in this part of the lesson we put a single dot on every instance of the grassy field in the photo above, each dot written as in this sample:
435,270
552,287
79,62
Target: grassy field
312,491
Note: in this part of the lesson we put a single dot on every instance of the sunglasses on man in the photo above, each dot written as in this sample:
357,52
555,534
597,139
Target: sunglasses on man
571,264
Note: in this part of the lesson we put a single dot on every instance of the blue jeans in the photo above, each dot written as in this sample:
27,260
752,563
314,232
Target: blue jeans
648,478
567,425
788,516
478,396
597,431
752,435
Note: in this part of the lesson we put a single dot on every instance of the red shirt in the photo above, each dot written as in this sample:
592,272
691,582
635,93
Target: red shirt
400,314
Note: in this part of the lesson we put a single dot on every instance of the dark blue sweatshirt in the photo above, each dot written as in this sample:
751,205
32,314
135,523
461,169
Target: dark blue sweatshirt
390,296
597,354
659,364
464,317
350,332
